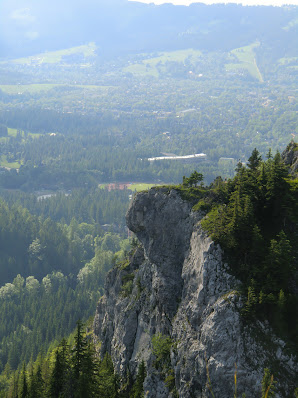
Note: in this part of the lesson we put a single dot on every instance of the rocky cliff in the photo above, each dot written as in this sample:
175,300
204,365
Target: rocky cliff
176,284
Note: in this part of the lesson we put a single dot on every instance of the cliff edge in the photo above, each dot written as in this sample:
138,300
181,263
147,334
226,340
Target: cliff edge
176,284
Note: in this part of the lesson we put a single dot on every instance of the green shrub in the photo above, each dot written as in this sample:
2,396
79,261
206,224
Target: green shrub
127,284
162,345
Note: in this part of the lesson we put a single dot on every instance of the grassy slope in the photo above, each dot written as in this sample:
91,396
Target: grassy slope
56,56
149,66
246,60
38,88
137,187
141,187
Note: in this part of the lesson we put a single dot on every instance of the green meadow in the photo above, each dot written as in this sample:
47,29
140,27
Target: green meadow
15,89
136,187
13,133
141,187
246,60
53,57
11,165
26,88
150,66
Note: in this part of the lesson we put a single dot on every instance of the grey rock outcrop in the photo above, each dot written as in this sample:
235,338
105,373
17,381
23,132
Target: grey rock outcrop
177,284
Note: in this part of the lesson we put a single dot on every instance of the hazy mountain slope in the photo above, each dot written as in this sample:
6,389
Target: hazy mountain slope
120,26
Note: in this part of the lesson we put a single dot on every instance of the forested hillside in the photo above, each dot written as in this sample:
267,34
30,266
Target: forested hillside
87,96
253,216
52,273
175,27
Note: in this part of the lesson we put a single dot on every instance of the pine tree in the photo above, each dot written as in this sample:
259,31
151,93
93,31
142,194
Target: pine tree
107,378
24,384
269,154
58,379
278,190
36,389
254,160
279,263
84,365
78,351
250,305
138,389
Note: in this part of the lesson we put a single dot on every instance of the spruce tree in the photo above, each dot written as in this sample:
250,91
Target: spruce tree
57,377
107,378
138,389
36,389
24,384
254,160
84,365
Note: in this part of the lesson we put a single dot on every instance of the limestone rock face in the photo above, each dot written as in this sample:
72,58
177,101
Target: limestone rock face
177,284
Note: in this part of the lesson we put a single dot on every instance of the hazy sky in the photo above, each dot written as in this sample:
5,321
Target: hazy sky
244,2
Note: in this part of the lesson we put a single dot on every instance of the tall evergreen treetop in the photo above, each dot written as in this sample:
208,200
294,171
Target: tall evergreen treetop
254,160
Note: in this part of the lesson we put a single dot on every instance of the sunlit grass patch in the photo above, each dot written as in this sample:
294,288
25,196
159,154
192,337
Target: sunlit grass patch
11,165
151,65
141,186
14,89
246,60
53,57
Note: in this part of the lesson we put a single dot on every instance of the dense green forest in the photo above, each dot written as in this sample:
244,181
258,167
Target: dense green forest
56,150
71,369
254,217
95,206
53,265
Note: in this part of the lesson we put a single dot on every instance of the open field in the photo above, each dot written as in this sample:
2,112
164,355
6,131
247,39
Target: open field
29,88
246,60
53,57
141,186
150,66
11,165
13,133
135,187
14,89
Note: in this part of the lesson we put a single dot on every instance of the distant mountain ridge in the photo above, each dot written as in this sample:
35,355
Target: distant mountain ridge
120,27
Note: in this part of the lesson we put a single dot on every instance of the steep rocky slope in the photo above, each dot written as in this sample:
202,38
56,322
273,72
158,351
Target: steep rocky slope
177,284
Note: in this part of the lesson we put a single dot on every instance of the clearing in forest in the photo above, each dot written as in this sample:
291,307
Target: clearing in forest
154,65
53,57
246,60
135,187
14,89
